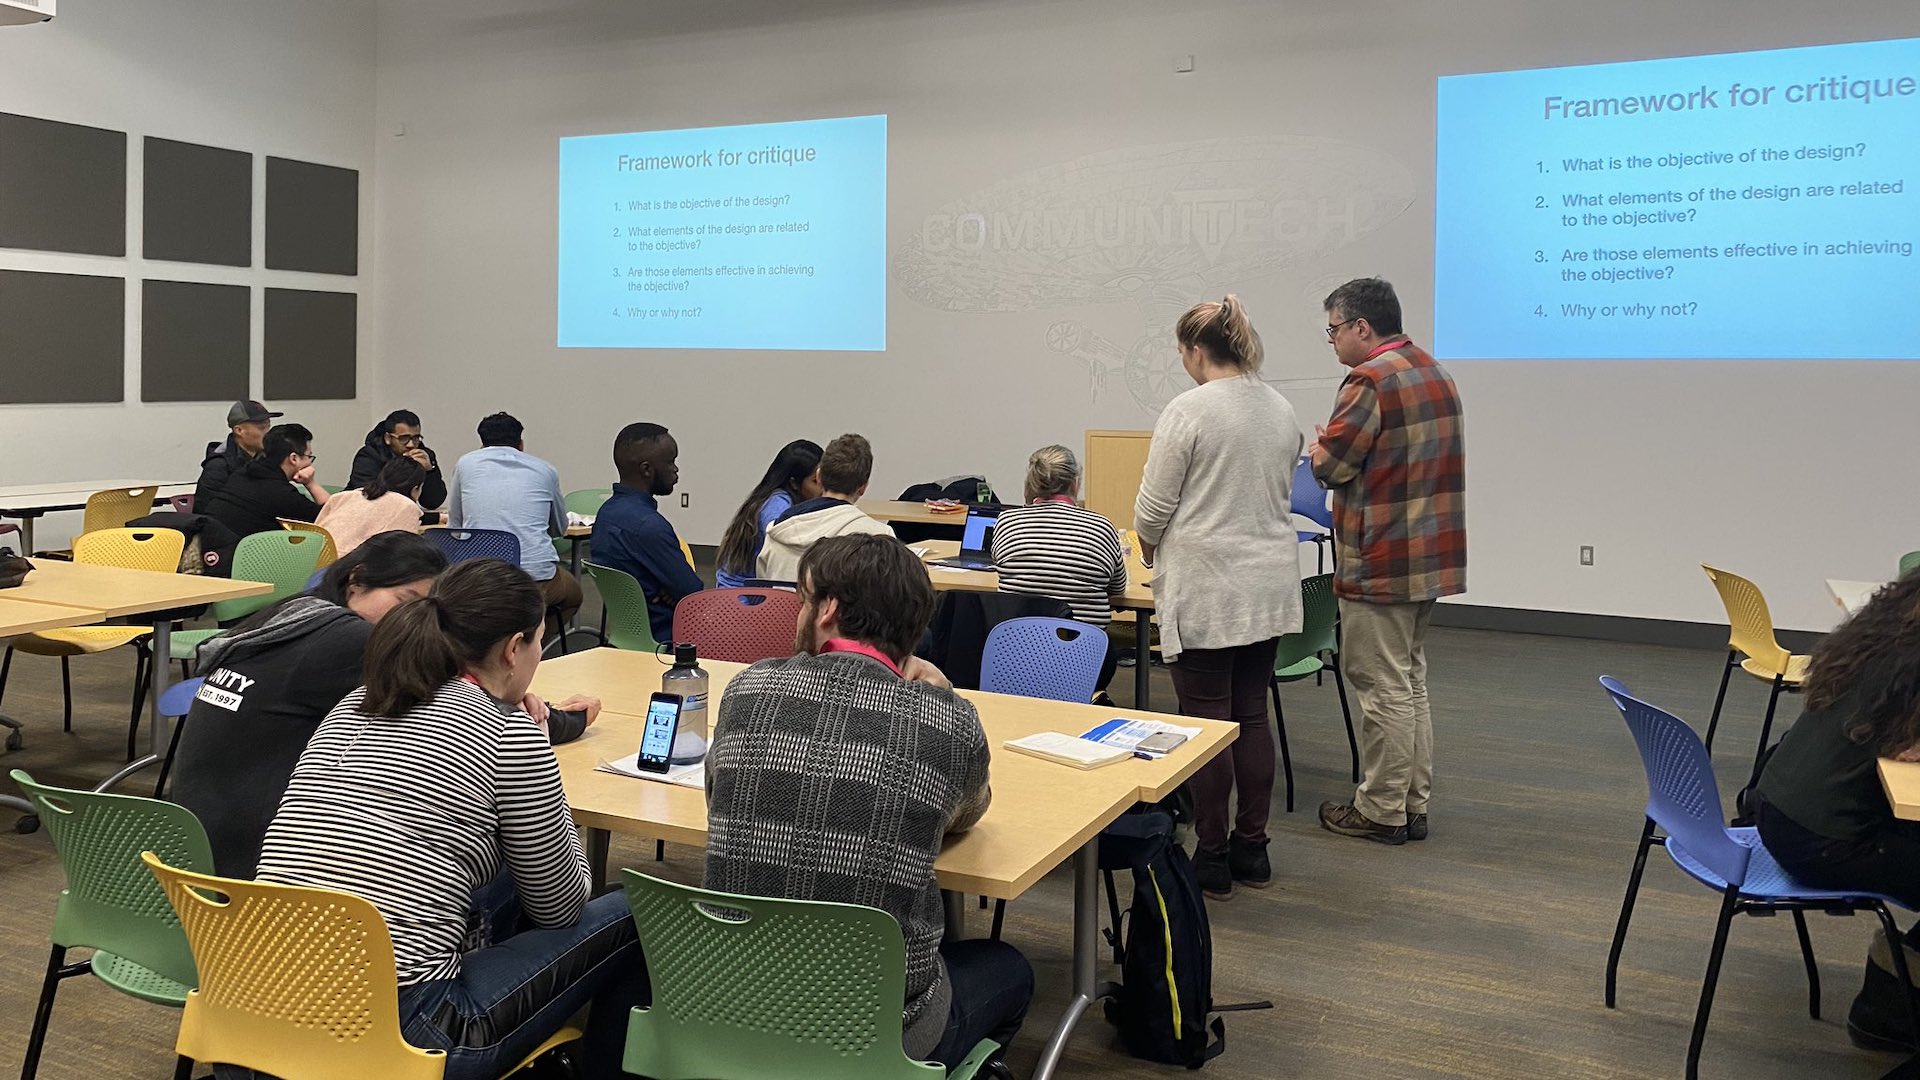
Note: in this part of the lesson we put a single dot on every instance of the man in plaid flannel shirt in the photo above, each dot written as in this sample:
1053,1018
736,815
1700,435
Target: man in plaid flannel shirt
1394,457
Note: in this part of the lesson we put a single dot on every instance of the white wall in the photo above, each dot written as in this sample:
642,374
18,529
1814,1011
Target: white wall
282,77
1788,472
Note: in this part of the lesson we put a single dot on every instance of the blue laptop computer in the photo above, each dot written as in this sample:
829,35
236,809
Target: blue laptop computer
976,541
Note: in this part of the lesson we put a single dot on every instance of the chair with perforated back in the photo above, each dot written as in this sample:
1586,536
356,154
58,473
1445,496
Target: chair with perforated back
627,624
1314,649
737,625
114,507
746,987
329,551
154,550
111,903
460,545
294,981
1037,657
1752,647
587,503
284,560
181,504
1309,500
1909,562
1683,801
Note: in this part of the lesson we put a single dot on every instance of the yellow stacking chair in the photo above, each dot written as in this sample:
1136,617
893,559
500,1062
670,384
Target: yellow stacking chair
156,550
114,507
1752,647
295,981
329,551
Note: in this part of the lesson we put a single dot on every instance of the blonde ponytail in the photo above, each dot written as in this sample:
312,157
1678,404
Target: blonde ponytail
1223,330
1051,471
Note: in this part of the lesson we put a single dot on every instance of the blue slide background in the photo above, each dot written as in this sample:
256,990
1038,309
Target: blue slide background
615,292
1488,284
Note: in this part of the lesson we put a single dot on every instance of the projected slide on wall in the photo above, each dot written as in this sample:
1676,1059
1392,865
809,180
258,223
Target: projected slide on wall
1749,205
761,236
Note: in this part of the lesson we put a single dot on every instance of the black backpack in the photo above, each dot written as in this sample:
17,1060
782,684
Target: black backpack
1162,1004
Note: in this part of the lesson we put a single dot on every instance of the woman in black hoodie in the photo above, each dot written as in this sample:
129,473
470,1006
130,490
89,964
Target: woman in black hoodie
272,679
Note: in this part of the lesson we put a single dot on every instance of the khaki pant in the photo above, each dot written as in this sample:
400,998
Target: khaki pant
563,596
1384,655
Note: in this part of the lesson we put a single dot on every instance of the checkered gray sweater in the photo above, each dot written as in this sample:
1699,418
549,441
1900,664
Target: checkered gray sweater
831,778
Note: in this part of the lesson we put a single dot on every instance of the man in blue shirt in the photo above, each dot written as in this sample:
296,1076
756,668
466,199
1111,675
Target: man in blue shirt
501,486
631,535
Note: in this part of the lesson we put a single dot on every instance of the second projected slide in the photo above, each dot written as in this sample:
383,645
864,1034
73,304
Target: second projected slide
761,236
1748,205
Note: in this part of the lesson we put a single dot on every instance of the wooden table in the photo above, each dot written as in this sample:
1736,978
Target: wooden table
1852,595
28,617
114,592
1042,815
25,502
1138,599
910,513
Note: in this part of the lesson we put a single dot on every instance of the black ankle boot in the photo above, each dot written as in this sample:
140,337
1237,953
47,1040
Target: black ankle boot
1248,864
1879,1019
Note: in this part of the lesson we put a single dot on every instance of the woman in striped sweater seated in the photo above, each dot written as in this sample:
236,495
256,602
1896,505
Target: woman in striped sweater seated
1053,547
432,794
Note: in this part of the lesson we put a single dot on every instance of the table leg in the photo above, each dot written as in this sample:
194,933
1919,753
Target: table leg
162,642
1142,656
1086,955
954,907
26,534
599,843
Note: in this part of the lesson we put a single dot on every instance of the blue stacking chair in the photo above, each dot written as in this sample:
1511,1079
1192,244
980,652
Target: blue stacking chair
1037,657
1309,500
1683,801
460,545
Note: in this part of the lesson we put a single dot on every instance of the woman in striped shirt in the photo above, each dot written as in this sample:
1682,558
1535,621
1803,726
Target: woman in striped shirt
1053,547
431,793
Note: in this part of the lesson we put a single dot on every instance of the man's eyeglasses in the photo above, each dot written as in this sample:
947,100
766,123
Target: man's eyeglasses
308,458
1335,328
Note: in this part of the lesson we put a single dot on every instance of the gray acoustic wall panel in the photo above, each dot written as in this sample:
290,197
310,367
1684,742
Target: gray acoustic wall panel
193,341
61,338
199,204
313,217
309,345
63,187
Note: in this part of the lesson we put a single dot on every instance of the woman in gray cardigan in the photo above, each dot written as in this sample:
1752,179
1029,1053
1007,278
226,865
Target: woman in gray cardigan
1213,518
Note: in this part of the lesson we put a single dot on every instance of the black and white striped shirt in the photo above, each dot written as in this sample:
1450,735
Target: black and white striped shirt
415,812
1059,550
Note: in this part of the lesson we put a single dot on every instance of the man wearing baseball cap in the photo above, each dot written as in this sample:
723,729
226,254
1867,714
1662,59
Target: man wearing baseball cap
248,421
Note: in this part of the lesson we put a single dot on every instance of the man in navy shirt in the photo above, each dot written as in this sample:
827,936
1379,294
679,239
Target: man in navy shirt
631,535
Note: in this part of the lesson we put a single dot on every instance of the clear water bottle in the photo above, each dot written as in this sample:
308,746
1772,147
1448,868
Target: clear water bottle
689,680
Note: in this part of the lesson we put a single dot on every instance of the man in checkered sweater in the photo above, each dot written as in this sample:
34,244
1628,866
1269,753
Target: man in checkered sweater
1395,459
837,773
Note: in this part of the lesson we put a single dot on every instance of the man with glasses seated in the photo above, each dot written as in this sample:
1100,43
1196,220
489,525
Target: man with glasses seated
399,436
263,490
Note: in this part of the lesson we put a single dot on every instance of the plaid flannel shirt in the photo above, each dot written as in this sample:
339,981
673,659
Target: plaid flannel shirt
1395,460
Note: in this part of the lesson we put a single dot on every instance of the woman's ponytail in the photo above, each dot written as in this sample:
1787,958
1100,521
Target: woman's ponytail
424,644
1224,331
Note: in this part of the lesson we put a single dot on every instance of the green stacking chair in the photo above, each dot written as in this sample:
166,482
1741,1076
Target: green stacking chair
284,560
111,904
747,987
627,624
1316,648
587,503
1908,561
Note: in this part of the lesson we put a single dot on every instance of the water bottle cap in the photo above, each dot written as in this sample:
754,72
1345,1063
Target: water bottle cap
685,654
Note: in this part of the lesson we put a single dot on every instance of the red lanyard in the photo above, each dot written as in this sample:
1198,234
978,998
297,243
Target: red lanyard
841,644
1390,346
1055,498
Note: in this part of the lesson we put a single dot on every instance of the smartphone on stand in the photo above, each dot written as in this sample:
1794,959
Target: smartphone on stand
656,739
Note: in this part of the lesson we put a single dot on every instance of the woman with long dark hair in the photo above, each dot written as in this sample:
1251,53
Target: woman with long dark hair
434,795
793,477
390,501
1821,810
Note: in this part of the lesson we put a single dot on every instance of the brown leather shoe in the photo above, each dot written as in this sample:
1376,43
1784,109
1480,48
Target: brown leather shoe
1342,818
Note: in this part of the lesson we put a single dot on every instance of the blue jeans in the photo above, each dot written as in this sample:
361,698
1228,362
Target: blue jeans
992,987
509,997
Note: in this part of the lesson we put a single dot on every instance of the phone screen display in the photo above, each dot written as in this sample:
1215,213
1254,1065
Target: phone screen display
656,741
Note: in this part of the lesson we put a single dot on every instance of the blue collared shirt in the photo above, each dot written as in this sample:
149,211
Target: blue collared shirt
499,487
631,535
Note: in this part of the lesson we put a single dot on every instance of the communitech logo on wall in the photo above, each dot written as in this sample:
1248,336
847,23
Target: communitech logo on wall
1151,227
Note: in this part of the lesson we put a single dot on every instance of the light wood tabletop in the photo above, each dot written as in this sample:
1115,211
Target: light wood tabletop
117,591
1041,813
28,617
910,512
1901,781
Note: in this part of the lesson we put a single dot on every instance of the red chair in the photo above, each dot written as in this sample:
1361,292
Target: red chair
738,625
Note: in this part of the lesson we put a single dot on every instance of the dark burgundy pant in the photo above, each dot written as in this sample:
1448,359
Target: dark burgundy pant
1230,684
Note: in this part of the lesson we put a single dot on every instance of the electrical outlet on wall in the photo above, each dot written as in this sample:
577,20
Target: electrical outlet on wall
687,500
1586,554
